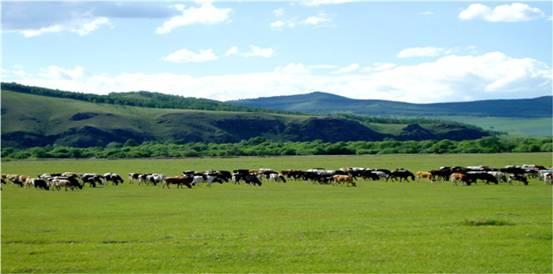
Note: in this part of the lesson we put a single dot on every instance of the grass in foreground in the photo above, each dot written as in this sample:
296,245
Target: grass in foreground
379,226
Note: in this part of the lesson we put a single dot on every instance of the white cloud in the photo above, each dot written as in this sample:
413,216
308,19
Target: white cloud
81,27
514,12
316,20
347,69
422,52
59,73
187,56
315,3
278,24
377,67
279,12
256,51
231,51
323,66
205,14
448,78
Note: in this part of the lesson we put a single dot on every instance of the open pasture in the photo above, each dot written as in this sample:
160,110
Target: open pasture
292,227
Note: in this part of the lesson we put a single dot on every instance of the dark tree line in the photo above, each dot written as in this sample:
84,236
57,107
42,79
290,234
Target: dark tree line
259,146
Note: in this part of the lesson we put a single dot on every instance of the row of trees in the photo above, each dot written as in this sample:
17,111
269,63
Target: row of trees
261,147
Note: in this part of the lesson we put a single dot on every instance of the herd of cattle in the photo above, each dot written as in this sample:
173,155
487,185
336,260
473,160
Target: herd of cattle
345,176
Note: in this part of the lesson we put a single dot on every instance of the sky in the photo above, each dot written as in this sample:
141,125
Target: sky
419,52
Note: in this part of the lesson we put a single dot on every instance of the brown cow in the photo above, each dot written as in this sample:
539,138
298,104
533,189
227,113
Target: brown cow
424,174
179,181
457,177
344,179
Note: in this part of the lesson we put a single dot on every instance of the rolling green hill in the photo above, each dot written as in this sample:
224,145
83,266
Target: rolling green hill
519,117
36,120
323,103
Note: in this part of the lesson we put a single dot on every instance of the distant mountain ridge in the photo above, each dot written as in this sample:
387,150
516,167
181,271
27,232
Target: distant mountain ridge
326,103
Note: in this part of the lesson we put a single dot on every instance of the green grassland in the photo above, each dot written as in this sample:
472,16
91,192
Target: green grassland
292,227
512,126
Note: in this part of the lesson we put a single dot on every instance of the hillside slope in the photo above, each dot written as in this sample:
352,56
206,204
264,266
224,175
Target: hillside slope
324,103
34,120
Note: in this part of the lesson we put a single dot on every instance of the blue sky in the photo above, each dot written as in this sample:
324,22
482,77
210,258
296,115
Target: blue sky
408,51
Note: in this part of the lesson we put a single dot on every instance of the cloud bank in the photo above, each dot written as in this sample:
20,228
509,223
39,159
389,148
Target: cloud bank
449,78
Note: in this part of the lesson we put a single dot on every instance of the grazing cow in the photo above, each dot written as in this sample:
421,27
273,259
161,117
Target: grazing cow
542,174
114,178
221,175
133,177
518,177
474,176
252,179
276,177
424,175
179,181
143,178
402,174
41,184
16,179
27,181
205,178
500,176
548,178
369,174
292,173
442,173
66,182
92,179
344,179
382,175
458,177
150,178
265,172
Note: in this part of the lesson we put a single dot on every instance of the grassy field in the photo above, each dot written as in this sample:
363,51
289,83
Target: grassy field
293,227
512,126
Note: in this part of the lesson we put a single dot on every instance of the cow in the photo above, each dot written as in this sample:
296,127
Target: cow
292,173
252,179
92,179
41,184
222,175
424,175
548,178
402,174
369,174
442,173
179,181
474,176
265,172
276,177
458,177
382,175
114,178
344,179
500,176
518,177
66,182
204,178
16,179
133,177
